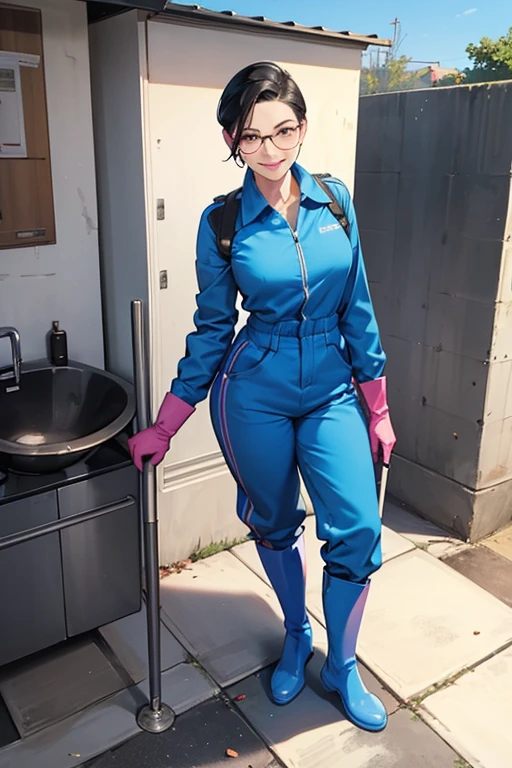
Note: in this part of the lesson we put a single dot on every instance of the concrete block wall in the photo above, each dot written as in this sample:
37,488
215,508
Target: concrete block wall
433,201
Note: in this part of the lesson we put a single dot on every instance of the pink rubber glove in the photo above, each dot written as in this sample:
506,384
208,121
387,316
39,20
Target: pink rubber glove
381,431
154,441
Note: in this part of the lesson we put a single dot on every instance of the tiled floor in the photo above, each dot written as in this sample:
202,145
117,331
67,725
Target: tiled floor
424,622
199,739
105,725
420,532
78,699
417,629
127,639
57,683
475,713
487,568
8,732
224,615
501,542
312,731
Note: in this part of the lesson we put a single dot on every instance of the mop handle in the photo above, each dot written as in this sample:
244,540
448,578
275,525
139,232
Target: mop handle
149,515
382,491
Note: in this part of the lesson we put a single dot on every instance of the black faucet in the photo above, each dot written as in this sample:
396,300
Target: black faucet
14,371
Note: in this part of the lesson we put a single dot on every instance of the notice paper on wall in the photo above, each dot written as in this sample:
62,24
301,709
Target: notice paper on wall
12,123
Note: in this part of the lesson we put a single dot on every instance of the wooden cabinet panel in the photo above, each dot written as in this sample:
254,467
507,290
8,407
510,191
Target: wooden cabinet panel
25,202
26,194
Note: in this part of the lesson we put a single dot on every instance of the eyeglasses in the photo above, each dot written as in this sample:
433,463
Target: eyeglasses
286,138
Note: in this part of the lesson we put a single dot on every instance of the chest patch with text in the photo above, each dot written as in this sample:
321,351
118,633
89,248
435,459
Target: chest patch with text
329,228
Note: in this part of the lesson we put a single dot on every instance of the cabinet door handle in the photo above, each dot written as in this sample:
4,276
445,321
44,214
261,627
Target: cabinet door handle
67,522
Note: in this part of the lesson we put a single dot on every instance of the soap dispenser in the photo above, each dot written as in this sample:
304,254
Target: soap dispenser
58,345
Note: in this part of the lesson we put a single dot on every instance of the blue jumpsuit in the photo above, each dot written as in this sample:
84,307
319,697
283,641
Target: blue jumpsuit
282,397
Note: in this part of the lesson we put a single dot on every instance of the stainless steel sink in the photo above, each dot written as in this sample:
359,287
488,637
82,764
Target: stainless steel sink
60,414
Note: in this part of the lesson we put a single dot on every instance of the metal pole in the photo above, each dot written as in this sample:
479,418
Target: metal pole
383,484
155,716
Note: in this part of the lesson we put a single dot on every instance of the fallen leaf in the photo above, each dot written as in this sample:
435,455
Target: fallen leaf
240,697
231,753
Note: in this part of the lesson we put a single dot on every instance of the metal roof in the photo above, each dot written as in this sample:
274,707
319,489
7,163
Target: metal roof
196,14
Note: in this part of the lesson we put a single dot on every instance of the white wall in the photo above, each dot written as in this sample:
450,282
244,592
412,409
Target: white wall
188,68
61,282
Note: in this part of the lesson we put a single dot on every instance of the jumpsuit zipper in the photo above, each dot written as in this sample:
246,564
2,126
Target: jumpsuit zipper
303,270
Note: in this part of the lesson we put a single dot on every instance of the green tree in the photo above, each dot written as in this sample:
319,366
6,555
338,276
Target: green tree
398,78
393,76
492,59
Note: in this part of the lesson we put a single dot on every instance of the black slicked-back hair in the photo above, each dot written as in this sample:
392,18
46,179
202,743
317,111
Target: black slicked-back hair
262,81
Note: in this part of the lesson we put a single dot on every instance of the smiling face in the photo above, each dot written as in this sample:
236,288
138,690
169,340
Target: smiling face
276,119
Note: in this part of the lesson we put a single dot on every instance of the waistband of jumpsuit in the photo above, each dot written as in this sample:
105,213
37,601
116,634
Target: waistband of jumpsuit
271,334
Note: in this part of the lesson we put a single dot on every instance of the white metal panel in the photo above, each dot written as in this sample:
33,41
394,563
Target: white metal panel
119,137
188,68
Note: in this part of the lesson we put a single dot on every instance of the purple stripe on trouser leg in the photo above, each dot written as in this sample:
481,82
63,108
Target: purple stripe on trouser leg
219,420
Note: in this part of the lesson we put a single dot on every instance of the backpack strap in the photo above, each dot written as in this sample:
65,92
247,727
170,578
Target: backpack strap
223,218
223,221
334,206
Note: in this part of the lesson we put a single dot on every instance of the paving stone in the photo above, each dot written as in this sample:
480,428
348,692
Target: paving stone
474,714
198,739
127,638
420,532
103,726
224,615
486,568
48,687
501,542
314,693
312,731
420,622
8,732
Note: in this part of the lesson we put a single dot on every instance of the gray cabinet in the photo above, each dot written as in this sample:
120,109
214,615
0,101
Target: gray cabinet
31,592
101,557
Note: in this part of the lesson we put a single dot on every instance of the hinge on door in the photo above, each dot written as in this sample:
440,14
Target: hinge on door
160,209
163,279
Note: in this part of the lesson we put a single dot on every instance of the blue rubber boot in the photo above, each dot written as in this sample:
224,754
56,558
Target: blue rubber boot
286,571
344,603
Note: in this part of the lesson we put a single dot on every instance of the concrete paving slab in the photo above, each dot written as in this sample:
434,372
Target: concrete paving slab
420,532
97,729
224,615
474,714
501,542
198,739
54,684
127,638
8,732
314,693
393,545
486,568
312,731
420,623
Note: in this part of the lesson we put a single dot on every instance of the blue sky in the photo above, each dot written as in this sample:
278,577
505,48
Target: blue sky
436,30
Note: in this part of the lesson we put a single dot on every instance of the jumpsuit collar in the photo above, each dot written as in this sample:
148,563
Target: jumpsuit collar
253,202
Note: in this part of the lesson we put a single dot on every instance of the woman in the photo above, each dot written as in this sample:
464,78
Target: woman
284,394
